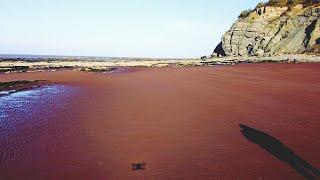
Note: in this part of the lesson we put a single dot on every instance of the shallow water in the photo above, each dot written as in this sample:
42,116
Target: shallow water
26,113
32,100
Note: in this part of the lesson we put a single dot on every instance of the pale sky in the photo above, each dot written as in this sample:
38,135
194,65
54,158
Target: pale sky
122,28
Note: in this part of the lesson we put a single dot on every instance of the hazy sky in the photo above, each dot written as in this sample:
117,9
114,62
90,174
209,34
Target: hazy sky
135,28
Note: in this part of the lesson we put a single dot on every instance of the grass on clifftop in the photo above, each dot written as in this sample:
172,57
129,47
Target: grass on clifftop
280,3
291,3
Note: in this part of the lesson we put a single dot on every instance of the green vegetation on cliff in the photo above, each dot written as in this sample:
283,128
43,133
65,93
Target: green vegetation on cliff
291,2
281,3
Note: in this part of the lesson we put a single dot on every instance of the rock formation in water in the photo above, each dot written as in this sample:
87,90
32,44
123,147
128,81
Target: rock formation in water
274,28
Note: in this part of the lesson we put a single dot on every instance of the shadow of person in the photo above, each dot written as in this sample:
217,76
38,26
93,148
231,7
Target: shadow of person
280,151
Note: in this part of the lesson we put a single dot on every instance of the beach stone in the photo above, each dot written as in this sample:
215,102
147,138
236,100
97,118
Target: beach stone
259,53
214,55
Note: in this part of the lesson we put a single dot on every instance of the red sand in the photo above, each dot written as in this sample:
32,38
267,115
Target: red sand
182,122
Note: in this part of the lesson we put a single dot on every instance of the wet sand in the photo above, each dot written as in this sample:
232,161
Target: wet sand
182,122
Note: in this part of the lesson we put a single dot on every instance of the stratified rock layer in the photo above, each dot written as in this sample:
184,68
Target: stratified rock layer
273,30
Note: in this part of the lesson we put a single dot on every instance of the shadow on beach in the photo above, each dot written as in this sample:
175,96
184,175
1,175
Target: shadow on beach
280,151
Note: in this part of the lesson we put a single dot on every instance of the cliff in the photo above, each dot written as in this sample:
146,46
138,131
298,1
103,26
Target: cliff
274,28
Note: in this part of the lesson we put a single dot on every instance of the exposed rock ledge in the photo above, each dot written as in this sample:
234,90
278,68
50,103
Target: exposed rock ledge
287,58
273,30
92,66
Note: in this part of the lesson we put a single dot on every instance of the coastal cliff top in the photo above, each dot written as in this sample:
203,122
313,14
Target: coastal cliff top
290,3
282,6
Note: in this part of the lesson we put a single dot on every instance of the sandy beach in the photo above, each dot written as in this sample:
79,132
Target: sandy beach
183,123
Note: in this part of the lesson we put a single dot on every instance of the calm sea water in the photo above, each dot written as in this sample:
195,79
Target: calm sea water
81,58
54,57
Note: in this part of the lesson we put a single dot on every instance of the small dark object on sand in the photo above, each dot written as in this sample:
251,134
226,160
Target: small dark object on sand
138,166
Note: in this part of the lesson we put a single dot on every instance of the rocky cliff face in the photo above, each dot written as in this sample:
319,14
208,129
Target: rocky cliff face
273,30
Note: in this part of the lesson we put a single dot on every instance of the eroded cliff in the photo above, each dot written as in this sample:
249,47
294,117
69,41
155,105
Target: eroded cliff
274,29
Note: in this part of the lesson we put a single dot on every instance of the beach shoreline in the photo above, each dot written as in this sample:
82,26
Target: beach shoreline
46,64
180,122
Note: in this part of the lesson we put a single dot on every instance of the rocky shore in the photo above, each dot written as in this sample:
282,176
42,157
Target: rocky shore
10,87
24,65
11,66
286,58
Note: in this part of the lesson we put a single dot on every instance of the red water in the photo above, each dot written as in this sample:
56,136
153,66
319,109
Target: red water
182,122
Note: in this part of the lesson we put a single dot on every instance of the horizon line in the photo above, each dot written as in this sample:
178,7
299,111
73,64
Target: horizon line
90,56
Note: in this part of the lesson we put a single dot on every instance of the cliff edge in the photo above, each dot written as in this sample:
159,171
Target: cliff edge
274,28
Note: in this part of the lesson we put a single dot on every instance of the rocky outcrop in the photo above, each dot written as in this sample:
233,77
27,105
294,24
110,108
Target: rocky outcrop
273,30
